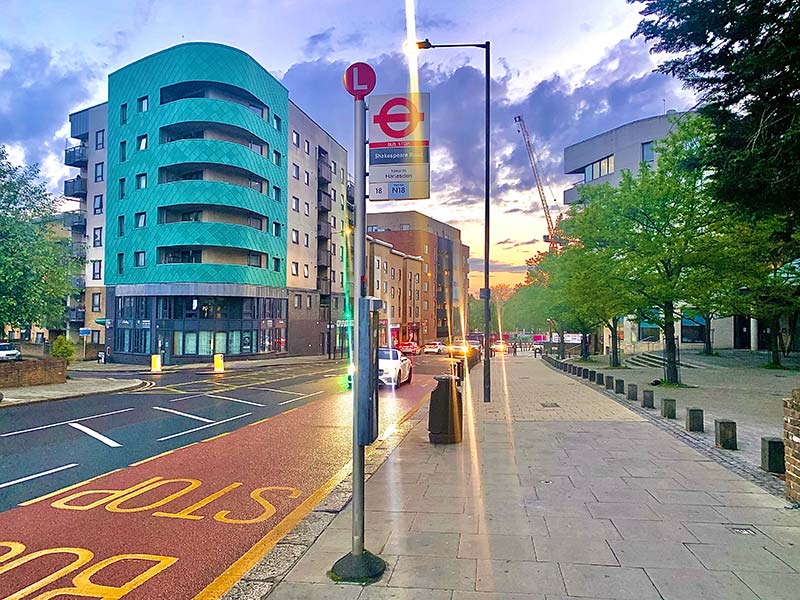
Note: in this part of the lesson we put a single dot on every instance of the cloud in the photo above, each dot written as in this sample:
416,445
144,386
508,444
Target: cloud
505,242
320,43
530,242
476,264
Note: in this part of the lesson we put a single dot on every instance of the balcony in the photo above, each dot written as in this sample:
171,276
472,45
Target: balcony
77,156
323,201
324,231
324,259
572,195
324,172
79,125
324,286
78,225
324,313
76,314
75,188
79,250
79,281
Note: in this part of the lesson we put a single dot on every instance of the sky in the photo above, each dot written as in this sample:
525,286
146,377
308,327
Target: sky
569,67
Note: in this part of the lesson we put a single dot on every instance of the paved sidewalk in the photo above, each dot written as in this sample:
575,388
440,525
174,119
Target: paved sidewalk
230,364
556,492
73,388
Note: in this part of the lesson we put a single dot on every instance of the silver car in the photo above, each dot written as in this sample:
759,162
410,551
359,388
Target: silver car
8,352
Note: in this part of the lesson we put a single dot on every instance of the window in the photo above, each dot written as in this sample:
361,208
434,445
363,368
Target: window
392,311
295,204
306,240
333,166
138,258
257,185
306,178
123,114
123,151
599,168
192,215
377,264
255,222
276,193
333,221
425,267
276,265
254,259
140,219
97,237
295,236
97,270
424,305
95,336
120,225
307,209
98,171
179,255
305,271
385,286
648,331
120,263
333,195
333,275
693,328
308,302
648,154
122,188
257,110
97,206
307,147
333,249
416,277
295,171
298,301
276,157
405,227
141,142
341,175
425,287
296,139
393,273
276,229
143,103
295,268
372,228
336,302
257,148
99,139
385,266
141,181
277,122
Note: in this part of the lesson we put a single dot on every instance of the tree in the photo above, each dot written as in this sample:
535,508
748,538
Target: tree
501,293
476,315
36,268
63,348
660,228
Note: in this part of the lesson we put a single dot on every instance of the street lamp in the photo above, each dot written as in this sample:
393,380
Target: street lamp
485,294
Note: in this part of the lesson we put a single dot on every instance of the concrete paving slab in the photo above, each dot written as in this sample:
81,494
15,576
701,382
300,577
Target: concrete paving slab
502,547
757,499
434,572
689,512
584,528
388,593
419,543
772,586
314,591
619,583
653,531
716,557
520,577
698,584
785,536
654,553
727,533
574,550
621,510
685,497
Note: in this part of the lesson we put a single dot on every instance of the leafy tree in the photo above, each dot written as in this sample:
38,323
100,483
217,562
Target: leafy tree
501,293
63,348
476,315
36,268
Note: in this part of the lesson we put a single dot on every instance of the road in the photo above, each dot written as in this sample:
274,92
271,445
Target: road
172,491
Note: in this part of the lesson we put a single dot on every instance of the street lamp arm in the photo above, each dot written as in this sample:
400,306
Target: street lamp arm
426,45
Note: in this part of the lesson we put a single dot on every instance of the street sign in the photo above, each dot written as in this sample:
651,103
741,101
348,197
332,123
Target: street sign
359,80
399,140
85,331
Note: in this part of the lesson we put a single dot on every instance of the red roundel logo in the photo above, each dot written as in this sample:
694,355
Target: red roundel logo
401,122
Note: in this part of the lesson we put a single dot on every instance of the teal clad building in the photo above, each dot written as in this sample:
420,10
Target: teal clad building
196,208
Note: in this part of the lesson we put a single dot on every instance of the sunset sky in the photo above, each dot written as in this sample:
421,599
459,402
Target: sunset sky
569,67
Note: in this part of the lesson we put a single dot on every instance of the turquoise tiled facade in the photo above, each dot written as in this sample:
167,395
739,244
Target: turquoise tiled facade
211,110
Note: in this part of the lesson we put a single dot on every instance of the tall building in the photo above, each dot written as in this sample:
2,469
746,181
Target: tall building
601,159
190,209
444,274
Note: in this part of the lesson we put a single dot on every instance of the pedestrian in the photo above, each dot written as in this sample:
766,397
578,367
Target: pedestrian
514,348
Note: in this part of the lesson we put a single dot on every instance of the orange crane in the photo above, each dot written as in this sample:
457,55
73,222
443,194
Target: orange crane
552,229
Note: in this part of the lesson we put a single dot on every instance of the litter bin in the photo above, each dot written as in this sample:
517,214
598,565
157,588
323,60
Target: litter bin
458,369
101,358
446,416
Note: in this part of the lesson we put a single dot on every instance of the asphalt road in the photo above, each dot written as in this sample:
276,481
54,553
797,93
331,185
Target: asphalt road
275,440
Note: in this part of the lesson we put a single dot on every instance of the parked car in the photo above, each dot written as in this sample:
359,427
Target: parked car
434,348
409,348
459,347
8,352
394,368
475,345
500,346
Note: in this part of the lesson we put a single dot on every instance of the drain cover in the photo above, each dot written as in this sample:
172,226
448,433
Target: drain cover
742,531
550,404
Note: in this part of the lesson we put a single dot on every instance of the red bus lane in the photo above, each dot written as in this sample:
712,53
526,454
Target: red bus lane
191,522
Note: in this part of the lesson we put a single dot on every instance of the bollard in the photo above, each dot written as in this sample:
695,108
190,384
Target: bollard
668,408
619,386
155,363
694,419
598,379
647,399
585,373
572,369
579,372
633,392
592,375
772,455
609,382
446,414
725,434
219,363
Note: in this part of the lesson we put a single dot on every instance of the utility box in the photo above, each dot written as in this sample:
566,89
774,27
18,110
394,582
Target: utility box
446,416
367,369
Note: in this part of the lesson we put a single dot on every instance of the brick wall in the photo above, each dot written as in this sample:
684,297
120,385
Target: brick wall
32,372
791,428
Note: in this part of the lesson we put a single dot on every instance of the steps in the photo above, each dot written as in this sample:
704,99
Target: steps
656,361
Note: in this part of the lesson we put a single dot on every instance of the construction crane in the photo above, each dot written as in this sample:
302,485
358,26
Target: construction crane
552,228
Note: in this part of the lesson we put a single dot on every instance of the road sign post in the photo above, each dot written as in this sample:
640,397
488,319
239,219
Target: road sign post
359,565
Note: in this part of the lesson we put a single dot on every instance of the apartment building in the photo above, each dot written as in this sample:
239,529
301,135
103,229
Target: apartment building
444,274
601,159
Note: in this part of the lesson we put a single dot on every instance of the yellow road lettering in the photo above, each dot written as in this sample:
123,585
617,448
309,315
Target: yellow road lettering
114,505
81,558
106,496
186,513
269,509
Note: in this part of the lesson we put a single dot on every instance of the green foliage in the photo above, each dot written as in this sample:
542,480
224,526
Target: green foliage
63,348
36,268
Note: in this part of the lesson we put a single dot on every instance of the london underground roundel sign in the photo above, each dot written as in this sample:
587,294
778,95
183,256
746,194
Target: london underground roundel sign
359,80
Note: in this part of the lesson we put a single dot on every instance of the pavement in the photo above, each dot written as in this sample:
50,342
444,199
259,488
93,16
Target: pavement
72,388
95,367
557,491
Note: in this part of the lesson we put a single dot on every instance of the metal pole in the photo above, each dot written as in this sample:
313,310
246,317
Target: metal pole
487,313
359,273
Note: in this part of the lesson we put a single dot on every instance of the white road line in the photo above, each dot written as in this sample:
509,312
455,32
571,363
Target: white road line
278,391
42,474
96,435
186,397
183,414
299,398
174,435
235,400
114,412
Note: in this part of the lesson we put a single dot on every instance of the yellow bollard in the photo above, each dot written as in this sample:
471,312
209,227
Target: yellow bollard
219,363
155,363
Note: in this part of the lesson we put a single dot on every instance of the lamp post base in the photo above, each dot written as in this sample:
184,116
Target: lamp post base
364,569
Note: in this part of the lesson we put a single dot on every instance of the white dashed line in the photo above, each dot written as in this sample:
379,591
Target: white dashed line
235,400
183,414
174,435
96,435
299,398
37,475
115,412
